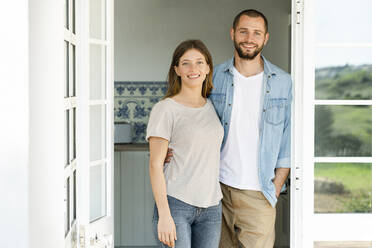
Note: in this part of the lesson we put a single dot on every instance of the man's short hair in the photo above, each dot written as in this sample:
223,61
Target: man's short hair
250,13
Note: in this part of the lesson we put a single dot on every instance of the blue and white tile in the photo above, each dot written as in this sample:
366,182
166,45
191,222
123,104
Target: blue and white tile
133,104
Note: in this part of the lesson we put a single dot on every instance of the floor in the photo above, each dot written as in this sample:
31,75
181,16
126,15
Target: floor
349,244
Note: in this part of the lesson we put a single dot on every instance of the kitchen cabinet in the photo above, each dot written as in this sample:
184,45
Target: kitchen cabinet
134,202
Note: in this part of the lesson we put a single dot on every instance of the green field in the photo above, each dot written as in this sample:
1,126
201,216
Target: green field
352,176
355,120
357,180
343,130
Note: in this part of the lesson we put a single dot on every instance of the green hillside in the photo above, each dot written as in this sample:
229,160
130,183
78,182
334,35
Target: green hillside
343,130
344,82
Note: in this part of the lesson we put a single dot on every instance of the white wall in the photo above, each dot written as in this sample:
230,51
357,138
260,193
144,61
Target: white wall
31,132
46,163
148,31
14,124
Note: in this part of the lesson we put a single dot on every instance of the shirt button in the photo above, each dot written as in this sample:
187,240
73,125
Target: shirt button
269,76
264,110
268,91
232,84
226,123
229,104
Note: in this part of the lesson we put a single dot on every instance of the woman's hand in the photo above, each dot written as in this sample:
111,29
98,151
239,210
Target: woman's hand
167,230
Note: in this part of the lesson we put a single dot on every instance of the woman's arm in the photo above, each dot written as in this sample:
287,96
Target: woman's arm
166,226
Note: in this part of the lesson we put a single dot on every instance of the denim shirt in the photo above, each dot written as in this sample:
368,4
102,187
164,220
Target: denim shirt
275,122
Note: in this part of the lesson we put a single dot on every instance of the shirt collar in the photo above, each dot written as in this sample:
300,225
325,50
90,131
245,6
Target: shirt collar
268,68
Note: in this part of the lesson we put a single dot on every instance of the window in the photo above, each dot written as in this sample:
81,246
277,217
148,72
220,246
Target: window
343,107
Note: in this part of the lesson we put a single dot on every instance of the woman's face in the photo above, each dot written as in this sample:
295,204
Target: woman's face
192,68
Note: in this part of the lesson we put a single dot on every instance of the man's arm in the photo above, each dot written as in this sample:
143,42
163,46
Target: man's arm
280,177
284,159
169,156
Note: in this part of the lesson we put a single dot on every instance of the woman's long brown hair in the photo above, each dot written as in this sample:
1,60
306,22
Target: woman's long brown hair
174,81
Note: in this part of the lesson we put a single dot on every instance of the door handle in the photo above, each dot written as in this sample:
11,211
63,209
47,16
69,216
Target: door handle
104,241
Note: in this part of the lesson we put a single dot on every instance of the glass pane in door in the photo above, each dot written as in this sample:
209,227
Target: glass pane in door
74,197
73,16
343,21
67,137
73,133
97,191
343,73
66,15
97,72
73,55
97,132
67,206
343,131
343,188
67,69
97,19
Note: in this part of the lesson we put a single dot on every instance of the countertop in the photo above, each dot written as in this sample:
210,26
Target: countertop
121,147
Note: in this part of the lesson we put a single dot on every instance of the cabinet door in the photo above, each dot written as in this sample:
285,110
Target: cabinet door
136,200
117,198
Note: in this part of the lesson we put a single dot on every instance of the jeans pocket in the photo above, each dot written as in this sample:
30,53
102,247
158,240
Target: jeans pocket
275,112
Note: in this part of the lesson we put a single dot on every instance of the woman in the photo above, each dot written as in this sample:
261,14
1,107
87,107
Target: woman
186,191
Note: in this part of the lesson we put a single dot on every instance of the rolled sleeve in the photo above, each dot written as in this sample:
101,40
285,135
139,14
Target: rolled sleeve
284,157
283,163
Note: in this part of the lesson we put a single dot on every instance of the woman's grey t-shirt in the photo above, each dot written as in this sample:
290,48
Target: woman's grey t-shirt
195,135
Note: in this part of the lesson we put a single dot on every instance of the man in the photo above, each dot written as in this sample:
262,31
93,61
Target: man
252,98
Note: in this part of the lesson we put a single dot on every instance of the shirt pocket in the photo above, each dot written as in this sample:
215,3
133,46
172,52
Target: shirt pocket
275,112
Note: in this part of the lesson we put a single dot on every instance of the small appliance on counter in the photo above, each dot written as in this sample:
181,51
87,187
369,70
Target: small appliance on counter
123,132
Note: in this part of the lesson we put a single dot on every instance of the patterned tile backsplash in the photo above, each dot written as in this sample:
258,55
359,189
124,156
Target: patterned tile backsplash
133,103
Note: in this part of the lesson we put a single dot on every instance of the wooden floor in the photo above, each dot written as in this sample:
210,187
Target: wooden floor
135,246
348,244
316,245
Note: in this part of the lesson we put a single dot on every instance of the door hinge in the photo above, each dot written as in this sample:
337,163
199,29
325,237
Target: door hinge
298,177
299,11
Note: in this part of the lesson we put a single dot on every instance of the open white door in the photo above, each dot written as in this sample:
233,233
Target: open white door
89,123
98,103
71,109
333,127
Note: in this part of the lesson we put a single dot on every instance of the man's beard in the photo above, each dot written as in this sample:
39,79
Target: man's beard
248,56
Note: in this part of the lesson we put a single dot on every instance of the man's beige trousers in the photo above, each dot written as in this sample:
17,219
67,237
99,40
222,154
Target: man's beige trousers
248,219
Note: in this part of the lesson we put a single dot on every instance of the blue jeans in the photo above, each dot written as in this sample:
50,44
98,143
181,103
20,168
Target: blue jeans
196,227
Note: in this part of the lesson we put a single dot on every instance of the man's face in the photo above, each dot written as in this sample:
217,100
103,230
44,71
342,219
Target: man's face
249,37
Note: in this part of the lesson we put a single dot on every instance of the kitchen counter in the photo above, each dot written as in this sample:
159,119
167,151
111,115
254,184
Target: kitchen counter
120,147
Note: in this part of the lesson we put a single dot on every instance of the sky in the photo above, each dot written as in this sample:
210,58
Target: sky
343,22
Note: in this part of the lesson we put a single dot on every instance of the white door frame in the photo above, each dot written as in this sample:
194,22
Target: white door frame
307,227
297,68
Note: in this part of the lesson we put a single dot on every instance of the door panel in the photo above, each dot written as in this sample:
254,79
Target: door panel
334,154
89,123
100,47
71,110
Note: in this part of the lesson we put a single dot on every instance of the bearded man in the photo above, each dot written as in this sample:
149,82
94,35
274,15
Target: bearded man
252,98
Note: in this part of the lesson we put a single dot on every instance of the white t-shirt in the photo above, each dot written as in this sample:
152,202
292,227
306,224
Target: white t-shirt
239,156
195,135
